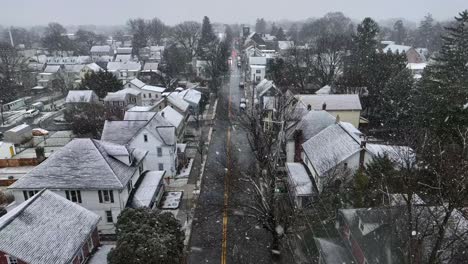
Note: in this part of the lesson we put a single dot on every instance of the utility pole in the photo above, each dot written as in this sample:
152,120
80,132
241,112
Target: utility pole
1,110
11,38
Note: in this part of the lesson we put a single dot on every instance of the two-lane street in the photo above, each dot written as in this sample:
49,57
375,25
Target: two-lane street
218,235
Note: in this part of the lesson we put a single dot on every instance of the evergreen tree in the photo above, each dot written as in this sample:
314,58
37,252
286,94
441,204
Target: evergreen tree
396,109
444,87
101,82
274,29
260,26
207,38
399,32
147,236
293,33
280,34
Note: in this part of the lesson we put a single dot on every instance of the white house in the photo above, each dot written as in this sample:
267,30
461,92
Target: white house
124,71
149,94
157,136
98,175
175,118
81,97
192,97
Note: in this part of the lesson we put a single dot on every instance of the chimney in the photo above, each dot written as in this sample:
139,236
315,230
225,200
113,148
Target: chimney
309,107
337,120
298,140
324,106
362,154
162,114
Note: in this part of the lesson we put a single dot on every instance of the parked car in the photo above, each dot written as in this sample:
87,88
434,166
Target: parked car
239,64
242,104
31,113
241,85
39,132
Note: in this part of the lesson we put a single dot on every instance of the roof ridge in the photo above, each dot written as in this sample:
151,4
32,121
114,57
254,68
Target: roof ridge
25,205
105,160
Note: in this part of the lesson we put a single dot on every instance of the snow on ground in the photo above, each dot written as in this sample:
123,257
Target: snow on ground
100,257
185,172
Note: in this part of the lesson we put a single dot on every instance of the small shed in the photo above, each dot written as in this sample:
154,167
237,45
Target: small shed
18,134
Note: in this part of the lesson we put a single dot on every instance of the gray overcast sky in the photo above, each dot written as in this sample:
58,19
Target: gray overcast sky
112,12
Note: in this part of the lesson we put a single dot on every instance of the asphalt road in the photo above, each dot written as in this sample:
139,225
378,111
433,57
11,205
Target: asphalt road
218,220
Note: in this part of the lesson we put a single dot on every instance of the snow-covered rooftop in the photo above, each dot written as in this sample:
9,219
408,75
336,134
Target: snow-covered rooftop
172,116
332,101
312,123
330,147
153,88
81,96
83,164
147,190
139,115
192,96
300,179
394,48
46,229
101,48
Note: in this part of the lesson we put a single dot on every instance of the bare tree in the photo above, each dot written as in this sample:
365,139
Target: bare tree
187,34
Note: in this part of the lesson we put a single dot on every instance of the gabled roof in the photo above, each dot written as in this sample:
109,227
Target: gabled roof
153,88
52,69
150,66
102,48
137,82
324,90
83,164
264,86
93,66
172,116
139,115
332,101
80,96
191,96
178,102
312,123
330,147
123,57
46,229
128,65
123,132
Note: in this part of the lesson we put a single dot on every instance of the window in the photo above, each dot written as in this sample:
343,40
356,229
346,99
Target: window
128,85
106,196
29,194
149,95
74,196
161,166
145,138
11,260
258,71
144,95
346,166
159,152
109,217
156,96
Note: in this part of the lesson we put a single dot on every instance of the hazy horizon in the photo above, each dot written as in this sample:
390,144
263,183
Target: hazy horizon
112,13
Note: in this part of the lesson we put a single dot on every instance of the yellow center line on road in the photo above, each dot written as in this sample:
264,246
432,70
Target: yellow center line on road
226,186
